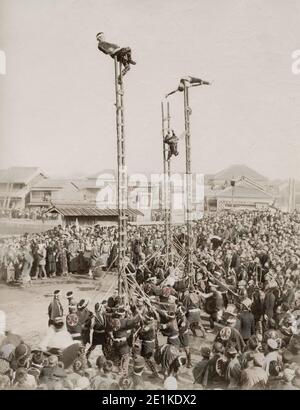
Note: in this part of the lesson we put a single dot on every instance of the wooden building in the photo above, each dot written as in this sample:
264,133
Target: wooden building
70,214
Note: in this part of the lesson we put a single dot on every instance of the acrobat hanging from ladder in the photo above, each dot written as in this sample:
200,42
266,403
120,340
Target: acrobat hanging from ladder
123,54
192,81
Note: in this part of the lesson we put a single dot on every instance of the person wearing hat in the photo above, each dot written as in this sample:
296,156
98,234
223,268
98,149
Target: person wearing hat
247,323
70,298
192,304
55,308
200,367
183,328
37,362
21,356
148,336
99,324
85,319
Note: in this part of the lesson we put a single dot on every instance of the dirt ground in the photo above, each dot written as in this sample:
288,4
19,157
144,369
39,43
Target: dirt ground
26,312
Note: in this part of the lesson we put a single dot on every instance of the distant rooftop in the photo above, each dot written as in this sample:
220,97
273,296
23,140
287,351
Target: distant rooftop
245,188
18,175
88,210
49,183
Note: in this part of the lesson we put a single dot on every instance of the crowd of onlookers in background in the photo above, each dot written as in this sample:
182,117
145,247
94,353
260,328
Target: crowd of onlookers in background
35,214
245,278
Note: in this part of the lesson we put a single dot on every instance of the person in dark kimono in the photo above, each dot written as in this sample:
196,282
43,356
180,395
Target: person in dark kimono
112,260
120,328
55,309
183,328
99,327
62,260
51,260
200,367
247,322
172,141
192,305
85,319
214,375
72,254
269,305
148,337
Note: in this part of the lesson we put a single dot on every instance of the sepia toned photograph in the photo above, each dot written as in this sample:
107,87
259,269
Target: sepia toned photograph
149,197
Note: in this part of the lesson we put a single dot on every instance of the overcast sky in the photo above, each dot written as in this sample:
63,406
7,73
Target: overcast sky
57,98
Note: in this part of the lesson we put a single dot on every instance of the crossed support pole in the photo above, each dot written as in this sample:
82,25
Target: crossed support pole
122,197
